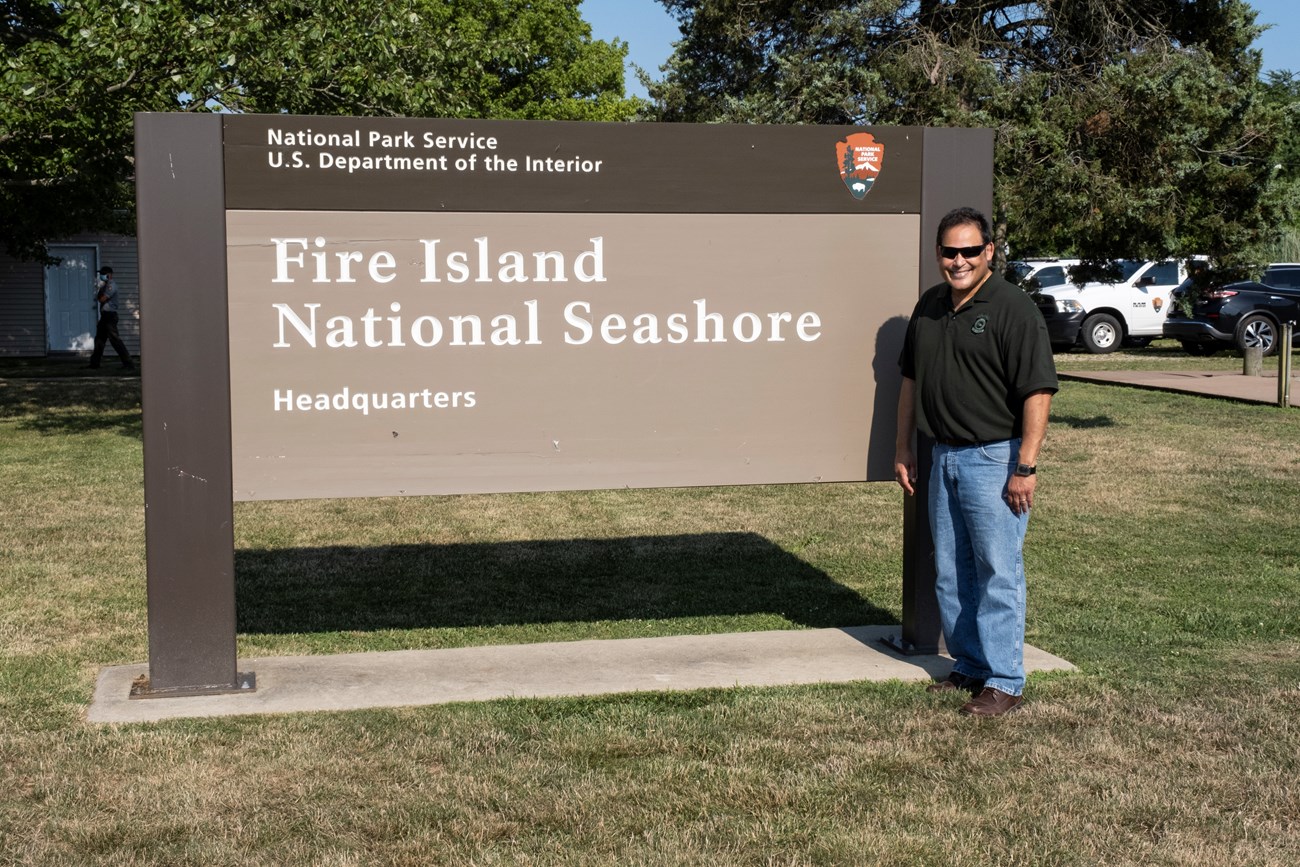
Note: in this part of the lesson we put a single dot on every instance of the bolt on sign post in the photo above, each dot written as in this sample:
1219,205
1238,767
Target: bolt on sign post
368,307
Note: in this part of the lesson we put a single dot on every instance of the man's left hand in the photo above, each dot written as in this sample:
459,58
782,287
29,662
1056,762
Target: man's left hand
1020,493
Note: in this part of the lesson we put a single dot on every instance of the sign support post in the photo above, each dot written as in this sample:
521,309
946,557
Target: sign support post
958,172
189,533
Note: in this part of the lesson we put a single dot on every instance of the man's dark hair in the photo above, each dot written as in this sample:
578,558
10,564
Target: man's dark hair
964,217
106,270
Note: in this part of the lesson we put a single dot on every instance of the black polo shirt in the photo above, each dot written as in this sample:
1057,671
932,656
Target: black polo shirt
974,367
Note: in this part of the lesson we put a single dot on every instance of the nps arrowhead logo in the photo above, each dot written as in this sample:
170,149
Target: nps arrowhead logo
860,157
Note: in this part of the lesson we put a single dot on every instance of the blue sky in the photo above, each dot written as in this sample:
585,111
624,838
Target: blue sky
649,32
1281,44
647,29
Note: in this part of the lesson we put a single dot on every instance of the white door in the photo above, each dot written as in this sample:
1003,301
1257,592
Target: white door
70,308
1150,303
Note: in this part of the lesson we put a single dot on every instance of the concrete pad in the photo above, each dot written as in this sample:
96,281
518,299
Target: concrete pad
1206,383
423,677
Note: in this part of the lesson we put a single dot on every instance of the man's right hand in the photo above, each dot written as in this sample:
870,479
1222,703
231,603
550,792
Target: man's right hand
905,470
904,454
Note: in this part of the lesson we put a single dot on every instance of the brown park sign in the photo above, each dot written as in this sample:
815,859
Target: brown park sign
431,307
356,307
433,353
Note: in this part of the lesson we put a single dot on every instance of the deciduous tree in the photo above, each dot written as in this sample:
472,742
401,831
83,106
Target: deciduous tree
76,72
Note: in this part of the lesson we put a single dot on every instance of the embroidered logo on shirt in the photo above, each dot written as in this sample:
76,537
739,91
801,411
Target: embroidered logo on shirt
980,325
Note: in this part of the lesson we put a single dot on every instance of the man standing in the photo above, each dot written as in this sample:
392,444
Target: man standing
106,331
978,378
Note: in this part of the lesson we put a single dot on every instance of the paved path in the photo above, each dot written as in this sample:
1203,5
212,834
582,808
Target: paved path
1224,384
424,677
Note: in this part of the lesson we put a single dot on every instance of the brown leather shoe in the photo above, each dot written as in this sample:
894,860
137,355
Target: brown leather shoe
991,702
954,681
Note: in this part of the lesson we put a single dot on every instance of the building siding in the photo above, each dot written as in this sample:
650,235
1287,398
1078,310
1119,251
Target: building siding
22,295
22,308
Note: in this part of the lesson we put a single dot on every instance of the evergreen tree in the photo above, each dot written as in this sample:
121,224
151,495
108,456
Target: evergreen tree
1134,128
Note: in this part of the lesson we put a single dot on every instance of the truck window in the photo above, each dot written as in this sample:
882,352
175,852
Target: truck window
1052,275
1165,273
1127,268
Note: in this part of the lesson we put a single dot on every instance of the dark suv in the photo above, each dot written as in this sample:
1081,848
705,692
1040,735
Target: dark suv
1238,314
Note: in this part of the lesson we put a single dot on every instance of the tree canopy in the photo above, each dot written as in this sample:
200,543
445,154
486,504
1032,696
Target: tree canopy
76,72
1134,128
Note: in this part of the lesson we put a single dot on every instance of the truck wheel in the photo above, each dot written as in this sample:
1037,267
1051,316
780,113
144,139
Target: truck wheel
1101,333
1257,330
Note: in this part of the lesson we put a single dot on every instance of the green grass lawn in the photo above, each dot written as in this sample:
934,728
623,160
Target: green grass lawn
1163,560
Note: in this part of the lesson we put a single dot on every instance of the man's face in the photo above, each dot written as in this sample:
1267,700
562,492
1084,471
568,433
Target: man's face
961,272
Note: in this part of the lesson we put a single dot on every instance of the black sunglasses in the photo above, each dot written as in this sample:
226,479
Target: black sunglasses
966,252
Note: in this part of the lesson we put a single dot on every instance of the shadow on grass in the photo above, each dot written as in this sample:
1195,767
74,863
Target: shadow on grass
1080,423
73,405
513,583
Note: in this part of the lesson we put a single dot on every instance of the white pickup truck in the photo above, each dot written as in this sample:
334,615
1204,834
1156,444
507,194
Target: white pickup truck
1104,316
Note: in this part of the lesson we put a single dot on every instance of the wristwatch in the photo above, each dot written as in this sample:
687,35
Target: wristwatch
1026,469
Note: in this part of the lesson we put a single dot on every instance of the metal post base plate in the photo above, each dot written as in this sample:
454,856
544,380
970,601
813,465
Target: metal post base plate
245,681
898,643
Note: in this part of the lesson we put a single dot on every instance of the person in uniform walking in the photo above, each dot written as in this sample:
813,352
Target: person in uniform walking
106,331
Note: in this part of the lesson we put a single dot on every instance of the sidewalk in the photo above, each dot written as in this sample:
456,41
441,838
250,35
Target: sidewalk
400,678
1229,385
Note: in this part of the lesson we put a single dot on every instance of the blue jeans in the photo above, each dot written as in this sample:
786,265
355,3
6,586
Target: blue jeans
980,579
